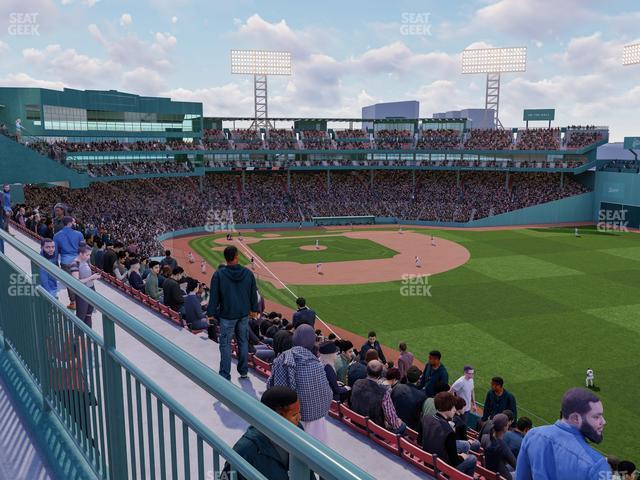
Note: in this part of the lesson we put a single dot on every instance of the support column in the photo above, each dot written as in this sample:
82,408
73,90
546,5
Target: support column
328,180
288,181
201,184
562,180
506,182
458,178
371,175
243,179
413,183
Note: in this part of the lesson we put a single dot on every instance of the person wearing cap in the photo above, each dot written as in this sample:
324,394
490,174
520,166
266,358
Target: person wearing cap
300,369
371,399
497,455
67,243
439,438
255,447
372,344
408,399
327,354
560,451
135,279
304,314
344,359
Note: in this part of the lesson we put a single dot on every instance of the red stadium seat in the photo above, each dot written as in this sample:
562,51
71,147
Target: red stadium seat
447,472
262,367
481,473
411,435
384,437
472,434
353,420
334,410
418,457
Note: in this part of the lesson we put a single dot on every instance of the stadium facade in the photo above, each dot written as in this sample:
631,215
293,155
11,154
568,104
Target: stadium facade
180,133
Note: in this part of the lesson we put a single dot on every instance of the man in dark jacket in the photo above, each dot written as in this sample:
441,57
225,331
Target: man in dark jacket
234,296
168,260
304,314
438,436
408,399
173,297
372,343
255,447
110,257
498,400
434,373
283,339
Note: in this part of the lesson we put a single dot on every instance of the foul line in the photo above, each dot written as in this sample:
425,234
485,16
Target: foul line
257,259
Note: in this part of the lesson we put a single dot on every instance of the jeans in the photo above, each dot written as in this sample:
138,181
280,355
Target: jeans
468,465
264,353
229,328
84,310
401,429
463,446
72,296
201,324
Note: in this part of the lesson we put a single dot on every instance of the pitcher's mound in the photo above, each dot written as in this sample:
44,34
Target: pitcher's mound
313,247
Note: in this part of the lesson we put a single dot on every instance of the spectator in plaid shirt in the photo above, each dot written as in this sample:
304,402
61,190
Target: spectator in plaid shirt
373,400
300,369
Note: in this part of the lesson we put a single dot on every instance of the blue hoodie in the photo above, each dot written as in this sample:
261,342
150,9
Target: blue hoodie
233,293
49,282
67,243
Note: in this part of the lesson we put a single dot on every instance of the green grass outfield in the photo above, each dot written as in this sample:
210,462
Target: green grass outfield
535,306
339,248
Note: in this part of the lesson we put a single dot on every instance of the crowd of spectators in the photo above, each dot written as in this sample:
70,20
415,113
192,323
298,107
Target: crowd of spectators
121,207
446,139
489,139
351,133
394,139
582,138
316,140
538,139
114,169
281,139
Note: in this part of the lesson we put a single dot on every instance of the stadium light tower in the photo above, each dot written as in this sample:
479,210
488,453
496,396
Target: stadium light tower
631,54
260,64
493,62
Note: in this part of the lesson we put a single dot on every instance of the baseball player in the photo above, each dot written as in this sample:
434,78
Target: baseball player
589,380
319,268
433,241
203,267
418,262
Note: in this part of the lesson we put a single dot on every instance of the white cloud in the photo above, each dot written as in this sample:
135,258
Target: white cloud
126,19
143,81
174,19
230,99
25,80
591,54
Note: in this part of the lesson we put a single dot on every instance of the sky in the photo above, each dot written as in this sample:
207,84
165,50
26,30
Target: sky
346,54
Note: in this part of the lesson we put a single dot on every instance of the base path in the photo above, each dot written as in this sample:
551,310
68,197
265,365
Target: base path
446,255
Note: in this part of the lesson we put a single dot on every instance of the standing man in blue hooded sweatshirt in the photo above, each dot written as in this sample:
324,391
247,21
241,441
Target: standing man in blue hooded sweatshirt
233,298
67,243
49,282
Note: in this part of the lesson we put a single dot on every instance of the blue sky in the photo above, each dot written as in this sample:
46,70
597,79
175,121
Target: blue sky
346,54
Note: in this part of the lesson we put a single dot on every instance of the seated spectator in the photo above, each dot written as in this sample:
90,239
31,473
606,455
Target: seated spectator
408,399
173,297
498,456
257,449
134,277
434,372
429,405
299,369
513,438
304,314
460,427
581,419
283,339
405,360
165,273
358,370
194,315
327,354
498,400
345,358
627,470
151,286
119,270
391,377
439,438
372,343
373,400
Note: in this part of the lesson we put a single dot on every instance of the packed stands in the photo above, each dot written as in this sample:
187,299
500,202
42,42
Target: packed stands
446,139
114,169
394,139
582,137
281,139
489,139
538,139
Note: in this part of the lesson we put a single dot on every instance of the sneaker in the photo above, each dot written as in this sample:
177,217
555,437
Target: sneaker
72,306
244,376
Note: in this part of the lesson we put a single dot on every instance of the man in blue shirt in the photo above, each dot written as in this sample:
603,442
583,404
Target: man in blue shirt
49,282
68,243
560,451
6,205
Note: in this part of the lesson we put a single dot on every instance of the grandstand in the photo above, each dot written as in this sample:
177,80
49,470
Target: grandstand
151,173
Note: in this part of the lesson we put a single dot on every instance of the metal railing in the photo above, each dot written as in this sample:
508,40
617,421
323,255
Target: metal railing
123,423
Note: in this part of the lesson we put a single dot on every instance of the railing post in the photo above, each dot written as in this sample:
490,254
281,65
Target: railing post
298,470
39,312
114,405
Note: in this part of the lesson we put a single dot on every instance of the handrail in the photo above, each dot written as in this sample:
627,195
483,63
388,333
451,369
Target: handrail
303,447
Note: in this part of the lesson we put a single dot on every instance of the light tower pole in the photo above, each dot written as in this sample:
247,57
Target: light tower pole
260,64
493,62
